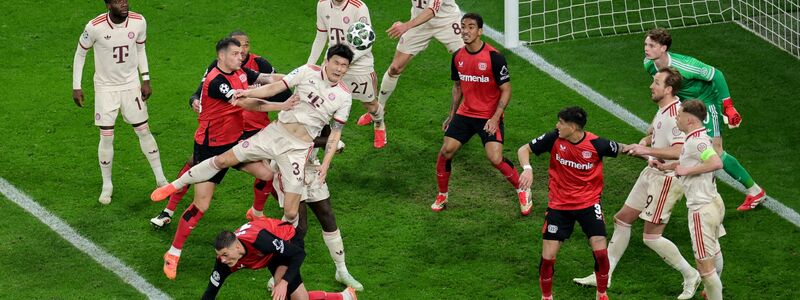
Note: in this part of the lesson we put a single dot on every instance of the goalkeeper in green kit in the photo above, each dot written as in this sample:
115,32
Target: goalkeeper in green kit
707,84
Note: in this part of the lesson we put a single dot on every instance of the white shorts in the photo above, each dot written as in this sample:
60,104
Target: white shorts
107,106
313,191
705,229
416,39
276,144
362,87
654,194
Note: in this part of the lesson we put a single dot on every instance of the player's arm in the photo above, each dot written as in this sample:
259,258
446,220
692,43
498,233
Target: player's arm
647,140
255,104
331,147
194,99
673,152
607,148
710,163
264,91
293,254
537,146
84,43
503,80
144,69
321,38
456,93
399,28
732,117
215,281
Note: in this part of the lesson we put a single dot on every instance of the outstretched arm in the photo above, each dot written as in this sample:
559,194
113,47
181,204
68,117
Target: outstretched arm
524,156
399,28
215,281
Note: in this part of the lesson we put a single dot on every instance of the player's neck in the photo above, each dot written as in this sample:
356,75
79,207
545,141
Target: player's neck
663,61
576,136
224,69
694,127
475,46
338,3
116,19
666,101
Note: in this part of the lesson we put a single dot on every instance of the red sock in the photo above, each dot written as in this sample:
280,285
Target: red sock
507,168
320,295
187,222
261,190
176,197
601,267
546,270
443,173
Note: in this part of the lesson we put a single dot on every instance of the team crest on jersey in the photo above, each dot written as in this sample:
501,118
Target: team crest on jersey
331,96
245,144
97,116
363,20
242,78
701,147
676,131
658,126
131,35
346,20
482,66
586,154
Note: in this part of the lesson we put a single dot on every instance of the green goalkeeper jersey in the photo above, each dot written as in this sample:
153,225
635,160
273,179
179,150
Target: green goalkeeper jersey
700,81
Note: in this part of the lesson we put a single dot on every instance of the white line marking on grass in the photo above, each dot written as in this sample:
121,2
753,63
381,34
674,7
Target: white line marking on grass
100,255
539,62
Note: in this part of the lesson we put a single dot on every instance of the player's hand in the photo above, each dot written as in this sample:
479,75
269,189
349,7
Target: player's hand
279,291
77,96
729,114
196,105
492,125
446,123
653,163
322,172
239,93
291,102
636,150
525,179
146,90
681,170
397,29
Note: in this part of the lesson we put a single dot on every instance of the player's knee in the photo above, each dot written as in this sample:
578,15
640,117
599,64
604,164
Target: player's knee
625,217
396,69
650,239
138,125
495,159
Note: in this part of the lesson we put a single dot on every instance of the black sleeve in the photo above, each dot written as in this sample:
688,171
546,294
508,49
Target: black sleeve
453,70
499,68
266,242
543,143
264,66
196,95
252,76
281,97
219,88
605,147
221,271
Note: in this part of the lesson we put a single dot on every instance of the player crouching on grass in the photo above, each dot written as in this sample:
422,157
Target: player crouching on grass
266,243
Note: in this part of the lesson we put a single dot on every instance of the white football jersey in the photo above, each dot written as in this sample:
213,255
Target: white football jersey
699,189
665,128
444,10
335,20
116,58
320,100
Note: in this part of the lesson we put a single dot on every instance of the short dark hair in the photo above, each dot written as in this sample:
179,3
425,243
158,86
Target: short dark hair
474,16
674,78
695,107
237,33
573,114
226,42
342,51
661,36
224,240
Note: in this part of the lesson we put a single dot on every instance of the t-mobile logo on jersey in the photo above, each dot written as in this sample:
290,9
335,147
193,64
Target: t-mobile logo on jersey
572,164
120,53
337,35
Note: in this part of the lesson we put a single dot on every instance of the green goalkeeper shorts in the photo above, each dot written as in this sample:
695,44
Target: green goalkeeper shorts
713,121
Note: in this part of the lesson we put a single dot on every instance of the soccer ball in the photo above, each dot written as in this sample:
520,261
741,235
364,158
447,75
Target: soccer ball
360,36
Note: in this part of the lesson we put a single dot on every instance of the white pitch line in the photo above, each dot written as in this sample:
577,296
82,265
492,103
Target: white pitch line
99,255
623,114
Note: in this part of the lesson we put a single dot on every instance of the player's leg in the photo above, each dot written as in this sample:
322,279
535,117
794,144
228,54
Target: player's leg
623,220
188,221
450,35
202,171
390,77
558,226
705,228
449,148
593,224
666,249
331,235
347,294
493,145
106,108
134,112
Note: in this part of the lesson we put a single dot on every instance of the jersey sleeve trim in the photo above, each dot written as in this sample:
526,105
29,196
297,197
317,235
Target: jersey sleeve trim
84,48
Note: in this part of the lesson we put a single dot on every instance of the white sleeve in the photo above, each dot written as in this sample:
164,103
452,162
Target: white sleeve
343,113
316,48
363,15
84,43
292,79
435,5
140,47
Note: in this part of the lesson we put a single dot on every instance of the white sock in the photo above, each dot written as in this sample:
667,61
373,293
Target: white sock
150,150
169,212
754,190
377,117
200,172
336,249
388,83
618,244
718,263
105,155
670,254
174,251
294,221
713,285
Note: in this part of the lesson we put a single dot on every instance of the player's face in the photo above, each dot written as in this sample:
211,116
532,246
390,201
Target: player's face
245,41
470,32
118,8
229,256
658,89
336,67
232,57
565,129
683,121
652,49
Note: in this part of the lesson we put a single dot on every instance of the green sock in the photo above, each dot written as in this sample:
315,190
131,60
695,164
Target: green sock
736,170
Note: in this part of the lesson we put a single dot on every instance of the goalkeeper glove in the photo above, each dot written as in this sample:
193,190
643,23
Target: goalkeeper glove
729,114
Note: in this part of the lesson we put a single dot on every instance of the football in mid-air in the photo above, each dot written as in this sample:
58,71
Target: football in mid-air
360,36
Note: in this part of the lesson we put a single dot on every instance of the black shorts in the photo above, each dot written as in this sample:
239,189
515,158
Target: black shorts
273,265
558,224
203,152
462,128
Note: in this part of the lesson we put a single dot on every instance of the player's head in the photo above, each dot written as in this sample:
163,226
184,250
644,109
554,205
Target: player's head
665,84
691,116
471,28
117,8
229,54
337,61
243,39
656,42
570,121
229,249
